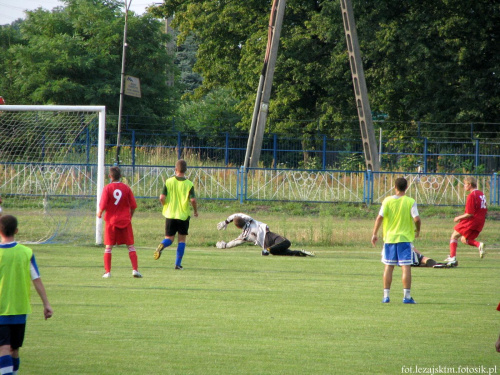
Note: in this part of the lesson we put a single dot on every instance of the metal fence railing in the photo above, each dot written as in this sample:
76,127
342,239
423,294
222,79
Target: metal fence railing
319,152
253,184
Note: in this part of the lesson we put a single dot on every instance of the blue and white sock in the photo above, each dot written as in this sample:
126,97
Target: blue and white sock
17,363
6,365
180,253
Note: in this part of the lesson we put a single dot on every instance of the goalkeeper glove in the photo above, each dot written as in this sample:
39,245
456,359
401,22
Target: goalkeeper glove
222,225
221,245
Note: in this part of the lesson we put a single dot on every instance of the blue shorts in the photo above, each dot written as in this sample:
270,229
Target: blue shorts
397,254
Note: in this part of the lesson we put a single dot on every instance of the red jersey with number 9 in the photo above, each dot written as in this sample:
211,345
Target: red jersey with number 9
117,200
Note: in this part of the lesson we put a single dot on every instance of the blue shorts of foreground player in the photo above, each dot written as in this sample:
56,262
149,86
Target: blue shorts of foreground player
397,254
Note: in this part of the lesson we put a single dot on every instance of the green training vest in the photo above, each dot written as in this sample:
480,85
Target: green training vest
177,200
15,280
398,224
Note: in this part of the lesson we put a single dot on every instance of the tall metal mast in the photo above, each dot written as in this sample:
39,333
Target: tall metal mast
261,109
122,83
360,90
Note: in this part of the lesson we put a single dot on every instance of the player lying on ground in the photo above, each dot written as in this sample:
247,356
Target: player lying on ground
258,233
419,260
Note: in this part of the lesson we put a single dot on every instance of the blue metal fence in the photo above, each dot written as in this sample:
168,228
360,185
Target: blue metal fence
41,180
318,152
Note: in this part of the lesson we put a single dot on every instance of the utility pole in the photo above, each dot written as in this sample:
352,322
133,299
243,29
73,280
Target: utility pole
261,109
122,84
170,48
360,89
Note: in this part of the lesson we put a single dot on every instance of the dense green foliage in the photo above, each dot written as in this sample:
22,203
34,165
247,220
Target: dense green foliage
73,54
430,61
216,108
185,59
434,61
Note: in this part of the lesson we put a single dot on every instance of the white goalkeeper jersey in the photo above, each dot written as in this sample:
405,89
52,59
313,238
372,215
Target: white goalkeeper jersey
253,231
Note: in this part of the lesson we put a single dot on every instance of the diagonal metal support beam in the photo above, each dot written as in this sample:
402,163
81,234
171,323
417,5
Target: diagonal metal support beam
258,126
360,90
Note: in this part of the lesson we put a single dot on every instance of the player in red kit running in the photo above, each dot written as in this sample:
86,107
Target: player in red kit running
119,203
471,223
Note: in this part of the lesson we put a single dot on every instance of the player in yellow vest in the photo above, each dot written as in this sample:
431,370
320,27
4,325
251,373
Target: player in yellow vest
177,194
18,269
401,225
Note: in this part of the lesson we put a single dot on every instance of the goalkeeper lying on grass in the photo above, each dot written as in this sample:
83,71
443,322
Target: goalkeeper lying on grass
258,233
420,260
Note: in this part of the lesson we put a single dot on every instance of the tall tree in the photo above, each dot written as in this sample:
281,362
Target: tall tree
434,61
232,40
427,60
185,59
10,35
72,55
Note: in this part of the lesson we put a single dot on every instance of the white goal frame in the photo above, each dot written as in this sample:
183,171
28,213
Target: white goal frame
100,147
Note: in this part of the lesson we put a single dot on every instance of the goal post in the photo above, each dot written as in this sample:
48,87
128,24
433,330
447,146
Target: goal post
45,153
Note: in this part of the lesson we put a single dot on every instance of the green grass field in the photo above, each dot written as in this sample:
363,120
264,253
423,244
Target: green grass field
236,312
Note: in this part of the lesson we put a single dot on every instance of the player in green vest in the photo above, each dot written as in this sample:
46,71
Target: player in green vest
18,269
177,194
401,225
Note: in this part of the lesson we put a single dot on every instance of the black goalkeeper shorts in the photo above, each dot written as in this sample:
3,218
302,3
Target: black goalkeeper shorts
12,334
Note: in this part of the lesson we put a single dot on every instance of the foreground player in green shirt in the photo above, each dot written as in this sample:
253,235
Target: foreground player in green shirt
401,225
18,269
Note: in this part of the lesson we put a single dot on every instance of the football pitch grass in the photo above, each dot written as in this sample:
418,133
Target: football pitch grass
236,312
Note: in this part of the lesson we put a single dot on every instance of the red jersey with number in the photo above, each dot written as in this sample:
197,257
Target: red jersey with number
475,205
117,200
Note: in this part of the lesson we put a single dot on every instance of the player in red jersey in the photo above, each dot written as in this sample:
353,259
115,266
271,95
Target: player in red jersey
471,223
119,203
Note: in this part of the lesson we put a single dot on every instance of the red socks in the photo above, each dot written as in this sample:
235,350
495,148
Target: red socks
454,244
107,261
473,243
132,254
453,248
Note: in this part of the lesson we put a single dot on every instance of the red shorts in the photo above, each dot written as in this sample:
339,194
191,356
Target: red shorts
118,236
466,232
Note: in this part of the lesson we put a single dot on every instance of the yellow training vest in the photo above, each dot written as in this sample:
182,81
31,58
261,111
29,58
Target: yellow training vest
15,280
398,222
177,201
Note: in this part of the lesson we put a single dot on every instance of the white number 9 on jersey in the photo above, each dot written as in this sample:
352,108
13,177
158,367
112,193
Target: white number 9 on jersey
117,194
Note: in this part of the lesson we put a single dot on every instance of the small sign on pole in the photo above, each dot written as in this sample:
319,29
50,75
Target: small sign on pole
132,86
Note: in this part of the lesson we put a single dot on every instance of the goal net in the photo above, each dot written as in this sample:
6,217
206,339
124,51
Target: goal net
52,171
